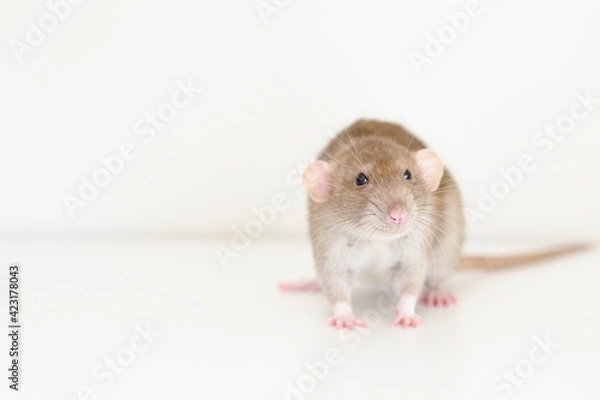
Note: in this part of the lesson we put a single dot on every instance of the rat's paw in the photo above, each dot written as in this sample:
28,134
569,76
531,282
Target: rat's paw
347,322
438,299
407,321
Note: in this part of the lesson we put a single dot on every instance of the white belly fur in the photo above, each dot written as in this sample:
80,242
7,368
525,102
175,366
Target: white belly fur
375,258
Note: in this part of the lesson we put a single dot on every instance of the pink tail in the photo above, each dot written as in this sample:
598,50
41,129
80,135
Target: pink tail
300,286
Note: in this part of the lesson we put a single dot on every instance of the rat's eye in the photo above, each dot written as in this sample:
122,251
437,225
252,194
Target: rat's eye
361,179
407,175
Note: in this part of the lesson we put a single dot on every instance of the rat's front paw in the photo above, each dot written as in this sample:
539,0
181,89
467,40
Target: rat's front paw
407,321
347,322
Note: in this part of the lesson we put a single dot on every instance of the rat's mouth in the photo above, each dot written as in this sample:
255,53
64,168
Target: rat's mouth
390,222
393,230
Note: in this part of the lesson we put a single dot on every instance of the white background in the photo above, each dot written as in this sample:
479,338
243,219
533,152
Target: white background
143,250
274,93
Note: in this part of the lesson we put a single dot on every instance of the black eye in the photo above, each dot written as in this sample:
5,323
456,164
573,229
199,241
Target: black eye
361,179
407,175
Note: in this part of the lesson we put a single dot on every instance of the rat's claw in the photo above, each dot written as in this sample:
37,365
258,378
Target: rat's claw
405,321
346,323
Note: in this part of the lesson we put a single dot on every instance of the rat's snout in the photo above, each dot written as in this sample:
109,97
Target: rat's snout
398,214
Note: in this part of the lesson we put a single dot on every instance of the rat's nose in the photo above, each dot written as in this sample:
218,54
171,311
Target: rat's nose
398,215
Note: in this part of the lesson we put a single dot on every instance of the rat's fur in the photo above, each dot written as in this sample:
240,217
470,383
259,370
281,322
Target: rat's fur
349,225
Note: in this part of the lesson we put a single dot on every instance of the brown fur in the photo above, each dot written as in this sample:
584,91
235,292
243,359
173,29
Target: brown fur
378,142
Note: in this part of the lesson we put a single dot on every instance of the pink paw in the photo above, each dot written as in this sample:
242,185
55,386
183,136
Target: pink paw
405,321
300,286
346,323
437,299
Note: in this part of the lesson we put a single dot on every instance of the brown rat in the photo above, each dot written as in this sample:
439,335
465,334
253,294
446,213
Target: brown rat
381,201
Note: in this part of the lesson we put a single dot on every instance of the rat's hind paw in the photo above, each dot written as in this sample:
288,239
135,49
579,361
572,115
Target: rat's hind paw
347,323
435,298
300,286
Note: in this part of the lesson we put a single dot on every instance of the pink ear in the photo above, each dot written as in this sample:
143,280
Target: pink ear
317,180
431,167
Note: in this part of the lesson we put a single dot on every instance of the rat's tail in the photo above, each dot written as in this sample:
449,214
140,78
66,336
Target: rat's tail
520,259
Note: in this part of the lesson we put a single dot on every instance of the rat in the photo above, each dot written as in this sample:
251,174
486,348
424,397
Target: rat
381,202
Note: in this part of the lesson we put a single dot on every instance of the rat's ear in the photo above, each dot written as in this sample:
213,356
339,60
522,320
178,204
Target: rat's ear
317,179
431,167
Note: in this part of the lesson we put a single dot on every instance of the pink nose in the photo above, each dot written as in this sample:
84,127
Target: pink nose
398,215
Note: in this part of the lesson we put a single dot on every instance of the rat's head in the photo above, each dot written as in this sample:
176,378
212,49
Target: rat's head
379,186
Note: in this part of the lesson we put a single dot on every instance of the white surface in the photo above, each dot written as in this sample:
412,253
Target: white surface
272,96
229,333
